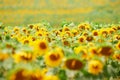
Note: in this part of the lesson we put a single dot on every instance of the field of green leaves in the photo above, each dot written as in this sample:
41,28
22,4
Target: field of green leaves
87,51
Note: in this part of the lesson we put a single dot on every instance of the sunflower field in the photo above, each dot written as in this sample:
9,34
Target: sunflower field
86,51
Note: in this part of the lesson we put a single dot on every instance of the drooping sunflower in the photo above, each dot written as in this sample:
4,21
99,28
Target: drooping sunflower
54,58
95,67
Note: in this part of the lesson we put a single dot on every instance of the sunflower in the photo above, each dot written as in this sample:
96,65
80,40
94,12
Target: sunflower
73,64
24,74
118,45
93,51
3,56
40,46
95,67
116,56
105,50
16,29
65,28
66,42
52,77
19,75
84,26
23,56
81,39
95,32
89,38
54,58
37,75
74,32
111,30
104,32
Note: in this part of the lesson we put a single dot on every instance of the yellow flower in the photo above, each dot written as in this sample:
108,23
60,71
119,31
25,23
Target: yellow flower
37,75
18,75
80,49
23,74
52,77
105,50
118,45
95,67
89,38
16,29
66,43
73,64
81,39
23,56
3,56
116,56
84,26
65,28
111,30
95,32
54,58
40,46
104,32
75,32
93,51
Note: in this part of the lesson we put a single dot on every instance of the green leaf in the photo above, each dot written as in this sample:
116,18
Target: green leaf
62,75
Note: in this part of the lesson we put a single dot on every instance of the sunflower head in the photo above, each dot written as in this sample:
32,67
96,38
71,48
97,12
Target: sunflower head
73,64
40,46
116,56
81,39
23,57
95,32
54,58
106,50
95,67
118,45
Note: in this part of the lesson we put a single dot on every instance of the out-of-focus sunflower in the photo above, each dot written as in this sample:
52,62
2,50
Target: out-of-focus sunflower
23,57
52,77
81,39
40,47
54,58
23,74
106,50
16,29
3,56
95,33
84,26
93,51
65,28
104,32
73,64
116,56
95,67
118,45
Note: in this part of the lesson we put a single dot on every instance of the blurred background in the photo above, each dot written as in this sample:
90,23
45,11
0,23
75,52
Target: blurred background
19,12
